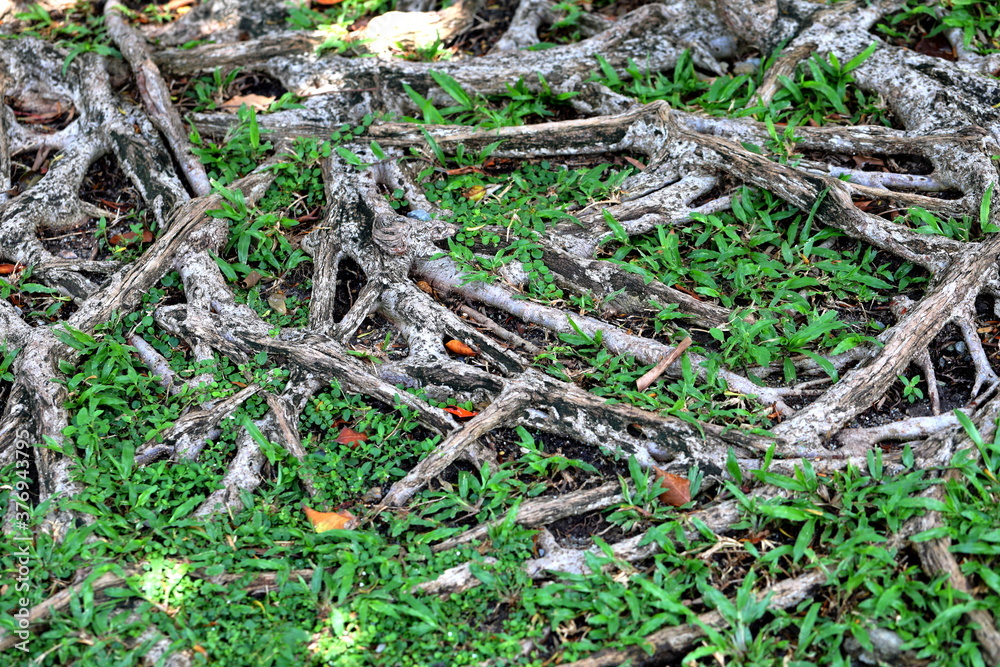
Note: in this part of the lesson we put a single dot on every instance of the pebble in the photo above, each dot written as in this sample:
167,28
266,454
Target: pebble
68,254
960,347
419,214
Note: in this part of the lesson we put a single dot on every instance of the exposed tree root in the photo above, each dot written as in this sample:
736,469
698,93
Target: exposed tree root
952,130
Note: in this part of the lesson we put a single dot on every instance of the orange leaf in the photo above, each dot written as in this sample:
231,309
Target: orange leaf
6,269
677,489
324,521
327,2
461,413
131,237
458,347
351,437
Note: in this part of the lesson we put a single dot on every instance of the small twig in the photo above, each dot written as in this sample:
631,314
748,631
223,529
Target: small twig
656,371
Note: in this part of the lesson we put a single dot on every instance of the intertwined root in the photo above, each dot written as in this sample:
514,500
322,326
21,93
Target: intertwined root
951,120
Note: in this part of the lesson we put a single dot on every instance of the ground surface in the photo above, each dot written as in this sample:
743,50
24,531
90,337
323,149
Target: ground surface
500,333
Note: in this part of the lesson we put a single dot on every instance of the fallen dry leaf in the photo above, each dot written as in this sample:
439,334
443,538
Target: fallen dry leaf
258,102
475,193
252,279
349,436
7,269
324,521
461,413
677,489
277,303
458,347
635,163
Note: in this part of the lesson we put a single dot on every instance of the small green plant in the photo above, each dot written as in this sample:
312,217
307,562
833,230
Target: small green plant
543,464
209,91
823,92
640,500
238,154
82,30
522,104
911,392
979,21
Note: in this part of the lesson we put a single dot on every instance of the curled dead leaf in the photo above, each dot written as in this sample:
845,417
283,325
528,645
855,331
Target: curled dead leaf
7,269
252,279
460,348
349,436
425,286
677,489
324,521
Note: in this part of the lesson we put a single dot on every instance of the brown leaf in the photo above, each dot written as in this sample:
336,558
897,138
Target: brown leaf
460,348
425,286
635,163
461,413
936,46
258,102
677,489
324,521
252,279
7,269
349,436
123,239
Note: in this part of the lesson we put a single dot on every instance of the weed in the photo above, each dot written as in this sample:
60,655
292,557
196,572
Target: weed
522,104
81,31
211,90
238,154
